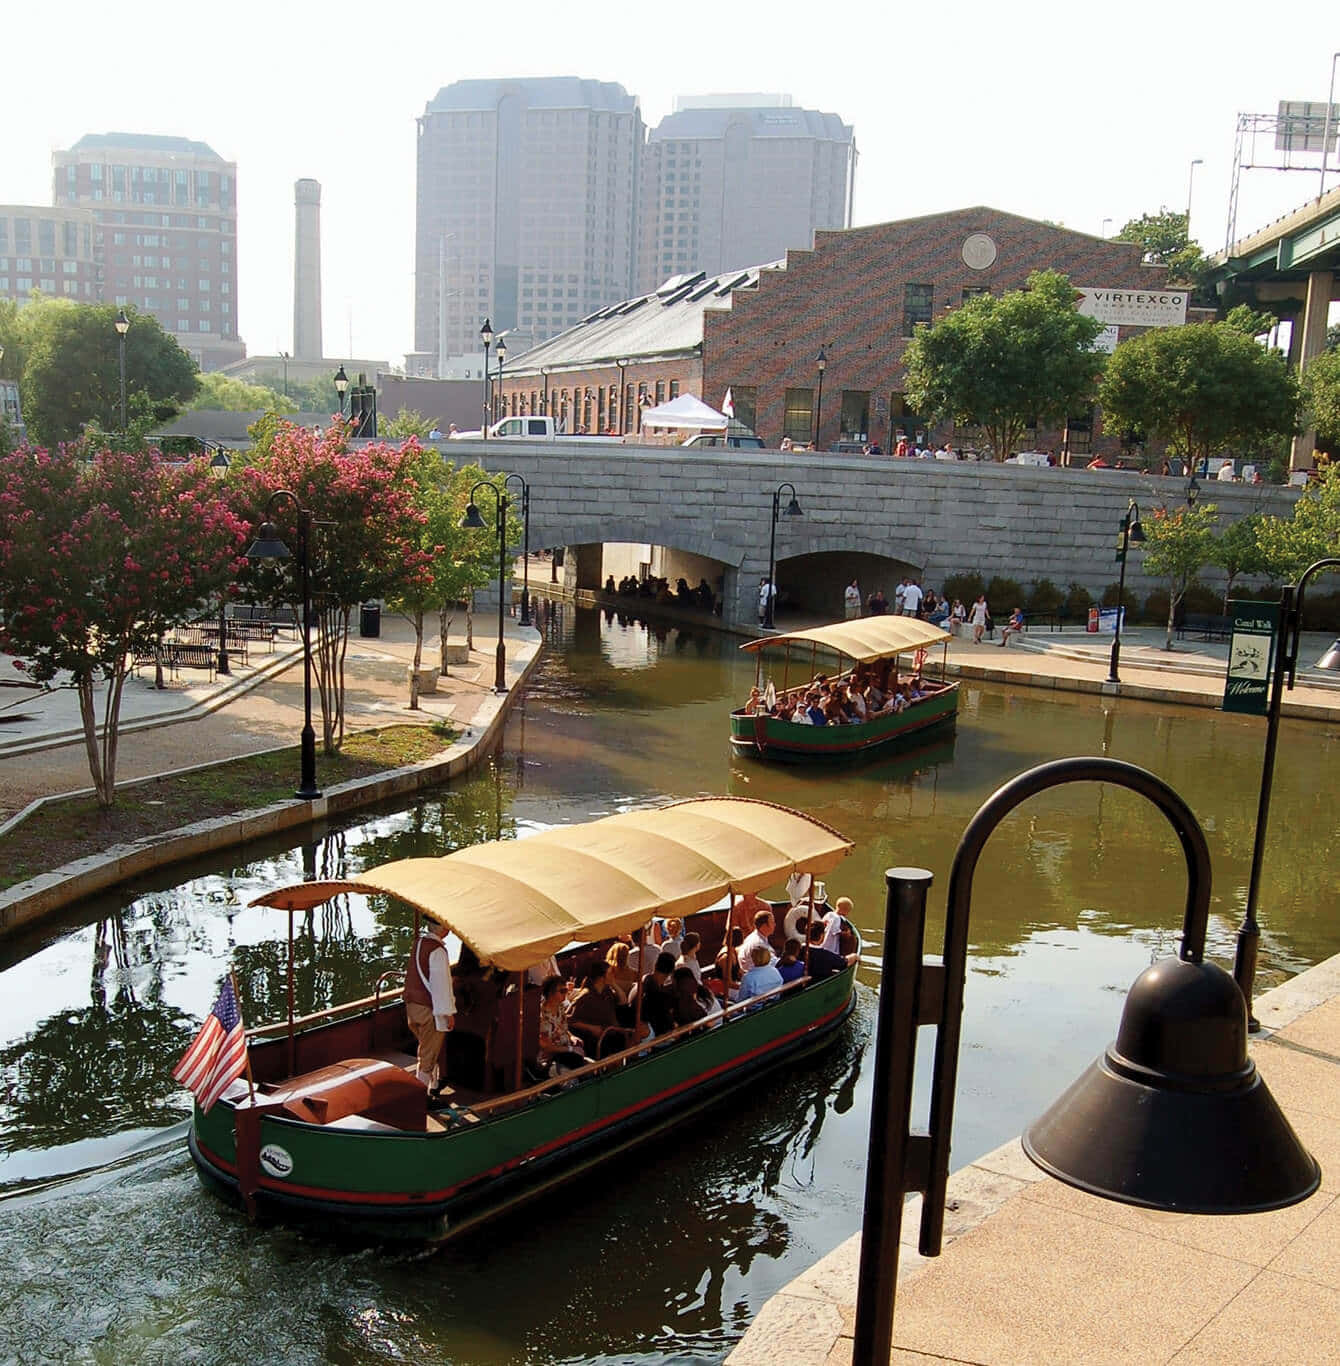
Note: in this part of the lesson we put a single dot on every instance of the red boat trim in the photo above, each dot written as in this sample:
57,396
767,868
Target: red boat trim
431,1197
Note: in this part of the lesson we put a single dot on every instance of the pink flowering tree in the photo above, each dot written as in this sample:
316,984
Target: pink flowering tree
366,541
97,559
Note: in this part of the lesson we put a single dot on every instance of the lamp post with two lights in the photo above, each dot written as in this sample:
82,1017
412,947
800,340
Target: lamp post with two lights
1131,533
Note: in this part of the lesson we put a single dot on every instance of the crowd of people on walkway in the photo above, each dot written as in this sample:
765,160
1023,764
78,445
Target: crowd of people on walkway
659,591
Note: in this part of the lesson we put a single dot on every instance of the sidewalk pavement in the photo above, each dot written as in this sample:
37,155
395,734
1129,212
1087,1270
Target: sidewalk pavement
258,707
1035,1271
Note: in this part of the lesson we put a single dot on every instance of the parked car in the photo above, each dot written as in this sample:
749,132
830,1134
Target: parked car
1030,458
849,447
742,441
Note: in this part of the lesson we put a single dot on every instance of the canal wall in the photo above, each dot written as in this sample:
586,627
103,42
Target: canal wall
932,518
27,903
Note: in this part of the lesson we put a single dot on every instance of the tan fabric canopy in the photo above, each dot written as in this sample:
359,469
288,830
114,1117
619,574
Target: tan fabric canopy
514,902
862,639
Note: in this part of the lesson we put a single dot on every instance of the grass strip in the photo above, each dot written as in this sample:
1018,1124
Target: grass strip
70,828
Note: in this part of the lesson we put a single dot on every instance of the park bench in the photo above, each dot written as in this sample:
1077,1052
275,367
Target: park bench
174,656
1205,626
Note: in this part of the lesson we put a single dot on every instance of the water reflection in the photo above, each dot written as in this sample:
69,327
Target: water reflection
666,1255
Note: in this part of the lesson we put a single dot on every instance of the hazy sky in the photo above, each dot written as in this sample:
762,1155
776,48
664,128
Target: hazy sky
1076,112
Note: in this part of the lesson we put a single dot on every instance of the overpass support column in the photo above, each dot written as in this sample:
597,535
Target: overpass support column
582,564
1315,309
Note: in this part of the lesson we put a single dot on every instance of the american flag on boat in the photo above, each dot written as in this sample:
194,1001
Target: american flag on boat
219,1054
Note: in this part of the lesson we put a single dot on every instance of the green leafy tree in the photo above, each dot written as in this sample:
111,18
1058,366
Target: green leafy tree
1321,398
71,368
1163,240
222,393
367,543
11,338
1178,543
1004,363
406,423
1202,388
1311,533
97,559
1238,551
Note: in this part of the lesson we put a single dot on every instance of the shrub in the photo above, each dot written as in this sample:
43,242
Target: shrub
1156,607
1078,600
1130,602
1003,595
1045,596
1202,599
966,587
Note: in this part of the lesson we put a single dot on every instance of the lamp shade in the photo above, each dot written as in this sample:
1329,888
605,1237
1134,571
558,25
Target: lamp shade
472,521
793,508
267,545
341,381
1174,1115
122,323
1137,533
1331,659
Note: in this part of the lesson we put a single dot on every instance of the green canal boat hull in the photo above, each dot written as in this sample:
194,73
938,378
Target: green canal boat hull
432,1185
766,737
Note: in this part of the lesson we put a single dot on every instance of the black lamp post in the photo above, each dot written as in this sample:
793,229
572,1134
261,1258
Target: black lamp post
792,510
524,619
486,336
122,325
268,546
284,357
1285,667
502,397
218,468
341,386
822,363
472,521
544,390
1173,1116
623,394
1131,531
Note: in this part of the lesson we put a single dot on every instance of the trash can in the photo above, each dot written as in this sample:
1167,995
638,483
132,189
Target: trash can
1092,627
369,620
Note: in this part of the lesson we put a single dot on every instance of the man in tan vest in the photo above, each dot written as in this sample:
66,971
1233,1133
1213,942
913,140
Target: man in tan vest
430,1003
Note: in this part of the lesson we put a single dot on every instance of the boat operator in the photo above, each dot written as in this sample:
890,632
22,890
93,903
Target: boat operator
430,1004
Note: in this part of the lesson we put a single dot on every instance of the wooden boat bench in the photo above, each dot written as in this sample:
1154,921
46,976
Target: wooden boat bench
367,1087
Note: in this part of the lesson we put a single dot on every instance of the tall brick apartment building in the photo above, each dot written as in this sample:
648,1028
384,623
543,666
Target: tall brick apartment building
857,295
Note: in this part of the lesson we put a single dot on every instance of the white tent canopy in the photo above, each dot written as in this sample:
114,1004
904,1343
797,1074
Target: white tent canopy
685,411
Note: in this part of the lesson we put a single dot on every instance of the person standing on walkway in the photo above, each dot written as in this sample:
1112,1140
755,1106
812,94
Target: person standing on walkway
767,592
851,600
912,599
430,1004
978,618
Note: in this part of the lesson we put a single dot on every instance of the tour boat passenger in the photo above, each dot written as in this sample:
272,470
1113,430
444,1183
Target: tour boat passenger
688,955
762,977
789,964
764,927
622,978
822,962
560,1050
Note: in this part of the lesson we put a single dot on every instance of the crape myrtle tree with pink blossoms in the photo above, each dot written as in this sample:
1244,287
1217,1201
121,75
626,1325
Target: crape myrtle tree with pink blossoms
98,557
366,539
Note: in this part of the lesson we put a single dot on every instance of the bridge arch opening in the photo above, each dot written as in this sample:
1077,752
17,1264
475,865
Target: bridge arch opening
812,585
655,570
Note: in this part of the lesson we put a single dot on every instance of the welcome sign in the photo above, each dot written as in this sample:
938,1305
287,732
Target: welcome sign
1251,652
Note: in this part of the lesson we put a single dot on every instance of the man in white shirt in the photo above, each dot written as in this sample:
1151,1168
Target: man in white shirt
767,593
764,925
430,1004
911,599
898,597
851,600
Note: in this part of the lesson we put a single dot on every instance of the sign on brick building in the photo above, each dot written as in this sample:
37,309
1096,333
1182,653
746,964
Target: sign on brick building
1134,307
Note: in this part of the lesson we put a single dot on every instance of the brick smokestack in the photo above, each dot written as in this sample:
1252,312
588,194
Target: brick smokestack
307,340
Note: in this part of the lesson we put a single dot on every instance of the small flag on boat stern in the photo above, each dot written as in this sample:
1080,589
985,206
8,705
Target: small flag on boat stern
219,1054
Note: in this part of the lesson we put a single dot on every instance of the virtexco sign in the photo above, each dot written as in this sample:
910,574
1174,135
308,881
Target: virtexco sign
1134,307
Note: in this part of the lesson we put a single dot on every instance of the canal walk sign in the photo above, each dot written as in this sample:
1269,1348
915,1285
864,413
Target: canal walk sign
1251,648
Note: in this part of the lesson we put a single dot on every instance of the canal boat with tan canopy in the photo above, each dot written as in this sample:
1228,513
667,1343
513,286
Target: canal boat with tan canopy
867,651
335,1123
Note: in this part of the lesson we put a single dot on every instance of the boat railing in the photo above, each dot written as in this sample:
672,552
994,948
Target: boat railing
643,1048
375,1001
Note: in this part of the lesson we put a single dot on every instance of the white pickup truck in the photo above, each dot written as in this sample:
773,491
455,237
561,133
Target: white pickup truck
528,429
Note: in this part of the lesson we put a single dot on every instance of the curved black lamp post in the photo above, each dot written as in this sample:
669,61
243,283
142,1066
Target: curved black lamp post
341,386
1131,530
122,325
218,468
792,510
268,546
1285,667
472,521
502,397
544,390
1173,1116
486,336
524,619
822,362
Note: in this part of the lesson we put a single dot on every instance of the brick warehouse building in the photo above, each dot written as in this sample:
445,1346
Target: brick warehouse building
858,295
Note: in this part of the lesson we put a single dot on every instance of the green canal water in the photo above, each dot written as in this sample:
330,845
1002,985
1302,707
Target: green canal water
115,1254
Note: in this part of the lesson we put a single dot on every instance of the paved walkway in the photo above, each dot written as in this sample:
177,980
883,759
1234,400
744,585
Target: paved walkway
1035,1271
259,707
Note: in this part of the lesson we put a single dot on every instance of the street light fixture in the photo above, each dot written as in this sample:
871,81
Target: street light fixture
1173,1116
792,509
122,325
1131,532
502,358
284,357
218,468
268,546
341,386
623,394
486,336
822,362
472,521
1285,667
524,619
544,390
1190,181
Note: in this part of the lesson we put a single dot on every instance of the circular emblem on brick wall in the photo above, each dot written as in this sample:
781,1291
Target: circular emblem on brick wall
979,251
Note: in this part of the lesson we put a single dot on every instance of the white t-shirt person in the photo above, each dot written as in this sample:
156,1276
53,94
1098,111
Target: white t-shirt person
766,590
911,599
